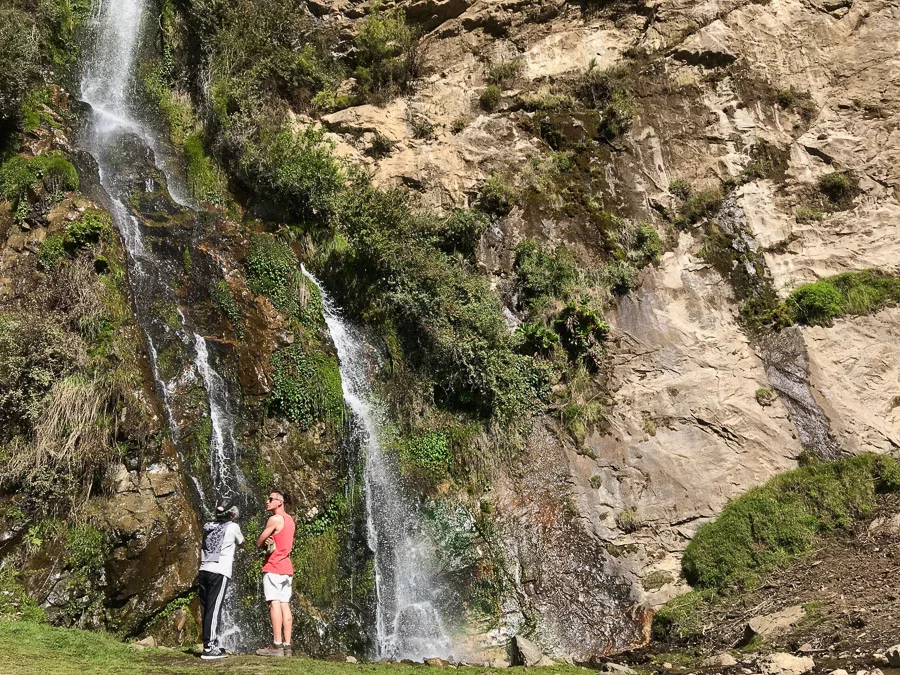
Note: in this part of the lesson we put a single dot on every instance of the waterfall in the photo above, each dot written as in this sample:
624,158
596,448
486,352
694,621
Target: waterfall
408,622
115,131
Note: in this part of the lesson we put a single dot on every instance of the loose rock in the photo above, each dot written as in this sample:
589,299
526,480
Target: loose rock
773,624
786,664
723,660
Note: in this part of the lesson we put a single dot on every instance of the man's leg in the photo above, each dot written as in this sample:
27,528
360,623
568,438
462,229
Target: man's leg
218,595
205,606
287,620
275,615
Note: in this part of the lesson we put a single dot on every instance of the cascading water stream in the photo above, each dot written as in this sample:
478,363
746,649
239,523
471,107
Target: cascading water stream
112,132
408,622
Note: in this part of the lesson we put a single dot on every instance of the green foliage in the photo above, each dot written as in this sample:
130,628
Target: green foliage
770,525
273,271
765,396
490,97
808,214
542,275
205,179
19,58
15,603
17,175
536,340
697,207
619,276
34,353
88,229
428,453
225,300
851,293
86,549
596,481
306,387
503,72
35,110
583,333
617,115
800,102
837,186
628,521
497,196
387,57
680,188
682,618
51,251
295,169
579,417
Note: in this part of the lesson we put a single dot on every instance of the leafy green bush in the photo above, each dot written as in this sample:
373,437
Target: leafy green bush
86,549
429,453
497,196
490,97
619,276
837,186
386,57
273,271
628,521
88,229
15,603
617,115
680,188
535,339
770,525
808,214
18,174
225,300
19,58
681,619
205,178
295,169
51,251
583,333
542,275
306,387
818,303
699,206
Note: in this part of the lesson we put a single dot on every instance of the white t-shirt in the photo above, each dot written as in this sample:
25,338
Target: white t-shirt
233,538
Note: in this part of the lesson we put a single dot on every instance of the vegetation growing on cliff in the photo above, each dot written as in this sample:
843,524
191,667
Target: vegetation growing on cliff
851,293
770,525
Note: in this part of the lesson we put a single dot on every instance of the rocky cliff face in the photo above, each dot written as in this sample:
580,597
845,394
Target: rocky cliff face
713,81
719,124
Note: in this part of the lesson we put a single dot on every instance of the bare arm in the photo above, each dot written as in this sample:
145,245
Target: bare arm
271,525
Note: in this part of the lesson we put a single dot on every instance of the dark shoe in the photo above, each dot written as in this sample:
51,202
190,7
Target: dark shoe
271,650
288,651
211,653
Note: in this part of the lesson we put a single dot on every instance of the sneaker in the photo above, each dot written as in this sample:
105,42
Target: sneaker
211,653
288,651
271,650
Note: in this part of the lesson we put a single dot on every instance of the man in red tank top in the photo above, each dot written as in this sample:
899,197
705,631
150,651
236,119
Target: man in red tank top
278,574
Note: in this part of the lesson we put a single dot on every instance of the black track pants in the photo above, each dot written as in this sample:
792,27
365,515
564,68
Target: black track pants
212,597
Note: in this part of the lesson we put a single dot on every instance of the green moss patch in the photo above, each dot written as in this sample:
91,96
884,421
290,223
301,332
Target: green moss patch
849,294
306,387
770,525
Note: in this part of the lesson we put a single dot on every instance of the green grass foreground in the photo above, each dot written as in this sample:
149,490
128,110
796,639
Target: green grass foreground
37,648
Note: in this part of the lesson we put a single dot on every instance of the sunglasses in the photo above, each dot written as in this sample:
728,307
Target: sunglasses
273,499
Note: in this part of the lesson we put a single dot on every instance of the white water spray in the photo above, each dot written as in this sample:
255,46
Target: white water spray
107,87
408,623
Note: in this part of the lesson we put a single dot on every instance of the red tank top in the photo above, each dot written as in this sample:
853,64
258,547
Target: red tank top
279,561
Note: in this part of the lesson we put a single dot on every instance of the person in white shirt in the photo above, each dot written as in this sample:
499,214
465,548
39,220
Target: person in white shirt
221,538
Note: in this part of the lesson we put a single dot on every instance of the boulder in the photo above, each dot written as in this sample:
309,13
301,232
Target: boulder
526,653
437,663
616,668
723,660
351,659
772,624
893,656
781,663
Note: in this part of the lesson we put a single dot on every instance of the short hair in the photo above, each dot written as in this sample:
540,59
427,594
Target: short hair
281,495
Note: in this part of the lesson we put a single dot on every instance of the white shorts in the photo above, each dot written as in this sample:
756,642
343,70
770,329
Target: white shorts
277,587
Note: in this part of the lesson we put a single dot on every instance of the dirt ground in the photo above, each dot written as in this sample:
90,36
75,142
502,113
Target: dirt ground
849,587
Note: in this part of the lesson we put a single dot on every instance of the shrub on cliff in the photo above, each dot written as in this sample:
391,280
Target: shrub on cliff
542,275
306,387
387,58
18,60
769,525
851,293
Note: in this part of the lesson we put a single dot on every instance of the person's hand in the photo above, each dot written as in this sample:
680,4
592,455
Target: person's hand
270,541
